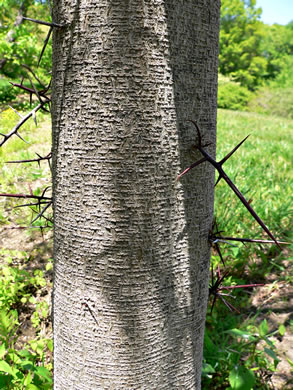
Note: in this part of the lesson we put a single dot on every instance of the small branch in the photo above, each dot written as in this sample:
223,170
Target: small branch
45,44
50,24
222,238
41,214
21,122
216,289
38,160
31,91
25,196
34,75
222,174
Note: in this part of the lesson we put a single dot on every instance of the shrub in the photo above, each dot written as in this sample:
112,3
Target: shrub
7,92
273,101
232,95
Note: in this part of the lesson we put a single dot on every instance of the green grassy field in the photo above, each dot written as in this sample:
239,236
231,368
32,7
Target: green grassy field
261,169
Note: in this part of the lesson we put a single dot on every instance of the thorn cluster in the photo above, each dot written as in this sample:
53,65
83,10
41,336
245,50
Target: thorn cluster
223,175
41,202
215,237
216,288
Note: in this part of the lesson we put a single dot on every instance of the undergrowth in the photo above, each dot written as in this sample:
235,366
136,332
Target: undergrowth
239,351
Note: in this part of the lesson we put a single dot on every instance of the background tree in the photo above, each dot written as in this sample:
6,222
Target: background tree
240,42
21,43
131,244
277,48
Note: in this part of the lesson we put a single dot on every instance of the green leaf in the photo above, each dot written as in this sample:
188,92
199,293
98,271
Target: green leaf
26,365
5,367
242,334
240,378
43,372
282,330
208,344
272,354
50,345
207,369
13,357
25,353
2,350
28,379
32,387
268,341
263,328
4,380
290,362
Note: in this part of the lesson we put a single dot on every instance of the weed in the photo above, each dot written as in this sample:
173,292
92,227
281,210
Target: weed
25,368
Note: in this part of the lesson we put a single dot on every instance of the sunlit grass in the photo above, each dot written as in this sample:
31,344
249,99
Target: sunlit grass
261,169
21,178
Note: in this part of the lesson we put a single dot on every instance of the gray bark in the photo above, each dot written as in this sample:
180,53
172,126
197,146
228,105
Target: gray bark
131,244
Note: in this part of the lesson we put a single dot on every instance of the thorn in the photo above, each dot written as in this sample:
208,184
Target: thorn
218,166
191,166
42,212
198,133
45,44
19,136
233,151
34,118
219,178
34,89
257,241
16,111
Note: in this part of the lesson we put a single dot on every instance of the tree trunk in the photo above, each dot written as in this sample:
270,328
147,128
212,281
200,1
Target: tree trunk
131,243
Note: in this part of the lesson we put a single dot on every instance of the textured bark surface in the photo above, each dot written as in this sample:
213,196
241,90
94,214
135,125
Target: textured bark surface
131,243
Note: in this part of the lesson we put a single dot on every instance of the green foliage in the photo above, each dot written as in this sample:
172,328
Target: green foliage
7,92
277,48
284,79
238,350
17,285
232,95
22,44
273,101
261,172
23,364
237,356
21,369
240,43
251,52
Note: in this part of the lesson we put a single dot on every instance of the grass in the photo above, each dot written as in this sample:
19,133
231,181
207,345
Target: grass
261,169
25,276
20,178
